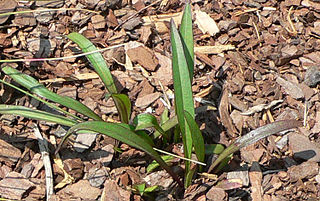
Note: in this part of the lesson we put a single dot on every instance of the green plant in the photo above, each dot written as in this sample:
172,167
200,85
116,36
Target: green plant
184,124
132,135
142,189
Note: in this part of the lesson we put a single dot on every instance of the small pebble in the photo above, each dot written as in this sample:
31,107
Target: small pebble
312,77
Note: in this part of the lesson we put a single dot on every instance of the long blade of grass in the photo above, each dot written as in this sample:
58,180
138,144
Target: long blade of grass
182,90
187,38
124,135
35,87
36,114
254,136
123,104
96,59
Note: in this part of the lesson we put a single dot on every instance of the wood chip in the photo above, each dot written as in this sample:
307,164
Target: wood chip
6,6
217,194
290,88
8,153
144,56
98,21
112,191
14,186
305,170
205,23
225,115
82,189
84,141
255,176
303,148
144,101
217,49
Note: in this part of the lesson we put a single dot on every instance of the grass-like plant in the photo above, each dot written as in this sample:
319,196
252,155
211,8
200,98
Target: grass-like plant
133,133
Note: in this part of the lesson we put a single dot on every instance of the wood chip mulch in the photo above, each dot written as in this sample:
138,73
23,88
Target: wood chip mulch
256,62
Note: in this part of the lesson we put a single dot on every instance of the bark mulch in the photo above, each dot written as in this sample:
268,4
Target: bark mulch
256,62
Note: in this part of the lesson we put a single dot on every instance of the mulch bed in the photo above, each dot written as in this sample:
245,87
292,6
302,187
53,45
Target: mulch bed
256,62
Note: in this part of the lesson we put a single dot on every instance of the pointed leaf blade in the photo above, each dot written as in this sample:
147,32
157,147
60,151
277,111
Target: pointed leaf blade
187,38
122,134
36,114
96,59
35,87
182,90
254,136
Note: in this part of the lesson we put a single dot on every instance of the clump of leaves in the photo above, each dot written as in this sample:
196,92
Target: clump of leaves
133,134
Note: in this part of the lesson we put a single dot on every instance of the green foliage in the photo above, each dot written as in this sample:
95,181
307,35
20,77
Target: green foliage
35,87
123,105
99,64
143,121
36,114
182,68
142,189
123,134
183,124
187,38
153,165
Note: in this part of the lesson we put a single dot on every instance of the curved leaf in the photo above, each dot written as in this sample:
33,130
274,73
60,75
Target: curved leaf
254,136
36,114
35,87
153,165
101,67
96,59
143,121
122,134
41,100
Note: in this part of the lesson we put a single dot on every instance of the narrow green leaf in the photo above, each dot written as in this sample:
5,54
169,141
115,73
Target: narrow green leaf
122,134
167,125
99,64
141,133
41,100
123,104
140,188
143,121
164,116
182,89
188,177
35,87
96,59
254,136
224,162
213,149
197,138
36,114
151,189
154,164
187,38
